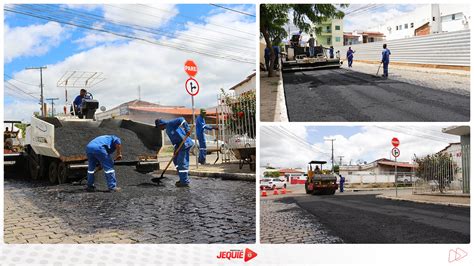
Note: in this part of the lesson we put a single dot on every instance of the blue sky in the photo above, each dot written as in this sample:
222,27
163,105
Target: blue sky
126,63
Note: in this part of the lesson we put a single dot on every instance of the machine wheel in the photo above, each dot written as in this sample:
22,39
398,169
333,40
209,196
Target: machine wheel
63,173
33,168
332,192
284,185
307,189
53,173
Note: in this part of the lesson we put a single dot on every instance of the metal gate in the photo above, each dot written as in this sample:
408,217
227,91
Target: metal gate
236,118
441,173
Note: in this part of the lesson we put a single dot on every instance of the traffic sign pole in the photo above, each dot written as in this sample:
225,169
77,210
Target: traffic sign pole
396,184
195,132
190,67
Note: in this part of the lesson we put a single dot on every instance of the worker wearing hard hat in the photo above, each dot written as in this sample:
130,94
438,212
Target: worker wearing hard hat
177,129
99,153
201,128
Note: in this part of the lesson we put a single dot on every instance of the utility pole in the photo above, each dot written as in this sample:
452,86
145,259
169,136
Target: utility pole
340,160
139,93
52,104
332,152
41,86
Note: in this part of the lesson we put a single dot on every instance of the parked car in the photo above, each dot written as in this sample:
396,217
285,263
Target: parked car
272,183
212,145
241,141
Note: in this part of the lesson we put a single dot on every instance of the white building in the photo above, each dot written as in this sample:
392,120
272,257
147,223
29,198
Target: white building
378,171
246,85
454,150
426,19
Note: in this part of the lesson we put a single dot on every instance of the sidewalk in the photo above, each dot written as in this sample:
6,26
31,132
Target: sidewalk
457,201
272,98
226,171
450,80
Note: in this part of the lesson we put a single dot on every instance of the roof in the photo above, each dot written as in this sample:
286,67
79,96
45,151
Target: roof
290,171
373,33
457,130
427,23
168,110
247,79
399,164
318,162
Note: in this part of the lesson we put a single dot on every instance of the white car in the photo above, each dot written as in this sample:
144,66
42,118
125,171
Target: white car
272,183
241,141
212,145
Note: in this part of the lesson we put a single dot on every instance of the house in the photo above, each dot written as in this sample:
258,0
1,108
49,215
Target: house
465,137
378,171
246,85
351,38
357,37
426,19
331,33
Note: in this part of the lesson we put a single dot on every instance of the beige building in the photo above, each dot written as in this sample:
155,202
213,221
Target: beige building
331,33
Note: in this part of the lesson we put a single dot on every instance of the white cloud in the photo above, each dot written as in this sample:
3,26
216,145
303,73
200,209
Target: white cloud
156,69
369,144
152,15
375,18
33,40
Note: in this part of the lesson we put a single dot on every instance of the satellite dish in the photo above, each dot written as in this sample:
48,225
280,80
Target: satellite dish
102,108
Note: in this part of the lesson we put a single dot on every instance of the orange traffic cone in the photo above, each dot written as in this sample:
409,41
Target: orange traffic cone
283,190
275,191
264,193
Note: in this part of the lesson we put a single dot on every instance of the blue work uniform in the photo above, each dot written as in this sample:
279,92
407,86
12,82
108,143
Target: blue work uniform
176,129
350,57
385,60
342,180
267,58
78,102
99,151
201,127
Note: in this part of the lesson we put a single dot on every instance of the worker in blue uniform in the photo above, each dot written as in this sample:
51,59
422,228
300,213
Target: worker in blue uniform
350,56
331,52
385,60
99,154
342,180
77,103
201,128
177,129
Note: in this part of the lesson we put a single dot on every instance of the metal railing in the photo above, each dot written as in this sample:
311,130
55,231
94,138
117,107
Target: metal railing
441,174
236,118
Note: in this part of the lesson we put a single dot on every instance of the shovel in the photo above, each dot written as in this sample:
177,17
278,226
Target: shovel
158,179
377,75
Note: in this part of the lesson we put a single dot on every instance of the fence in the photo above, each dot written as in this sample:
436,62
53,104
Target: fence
440,173
449,48
236,118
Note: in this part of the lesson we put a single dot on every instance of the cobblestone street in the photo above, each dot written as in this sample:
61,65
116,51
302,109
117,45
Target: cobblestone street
210,211
287,223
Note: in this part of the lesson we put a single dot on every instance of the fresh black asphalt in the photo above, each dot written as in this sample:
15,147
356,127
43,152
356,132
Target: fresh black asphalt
345,95
367,219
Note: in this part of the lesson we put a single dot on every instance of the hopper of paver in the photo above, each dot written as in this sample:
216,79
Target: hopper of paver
56,147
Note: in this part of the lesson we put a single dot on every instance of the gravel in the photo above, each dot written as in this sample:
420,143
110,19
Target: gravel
73,139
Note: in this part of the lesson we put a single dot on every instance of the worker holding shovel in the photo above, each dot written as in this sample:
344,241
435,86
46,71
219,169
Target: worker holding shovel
178,131
201,127
385,60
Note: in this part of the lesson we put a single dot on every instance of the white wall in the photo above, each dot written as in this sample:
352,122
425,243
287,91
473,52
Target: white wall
247,86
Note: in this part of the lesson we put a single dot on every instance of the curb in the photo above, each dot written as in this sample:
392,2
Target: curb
425,202
373,189
225,176
282,114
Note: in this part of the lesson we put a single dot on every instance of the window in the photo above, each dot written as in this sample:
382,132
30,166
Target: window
434,19
453,16
406,26
338,39
400,27
412,25
339,27
328,41
396,28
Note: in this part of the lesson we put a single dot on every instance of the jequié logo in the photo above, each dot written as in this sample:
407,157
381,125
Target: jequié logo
232,254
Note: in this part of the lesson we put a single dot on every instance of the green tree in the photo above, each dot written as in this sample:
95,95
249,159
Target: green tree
22,128
438,167
306,17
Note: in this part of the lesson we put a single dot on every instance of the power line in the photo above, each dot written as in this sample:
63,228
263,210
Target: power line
234,10
25,83
154,42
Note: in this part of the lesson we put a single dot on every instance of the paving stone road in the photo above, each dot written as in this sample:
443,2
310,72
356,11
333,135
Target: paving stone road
346,95
210,211
286,223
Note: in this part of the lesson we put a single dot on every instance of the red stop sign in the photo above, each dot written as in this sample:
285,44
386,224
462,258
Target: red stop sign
190,68
395,142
